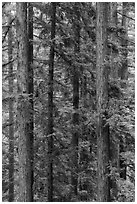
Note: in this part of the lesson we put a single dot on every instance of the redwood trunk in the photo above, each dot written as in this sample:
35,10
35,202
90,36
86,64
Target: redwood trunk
124,76
25,105
103,193
30,122
11,119
114,145
50,104
124,43
75,120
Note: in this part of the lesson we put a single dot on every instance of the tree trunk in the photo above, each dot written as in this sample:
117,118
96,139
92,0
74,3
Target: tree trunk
113,22
122,160
124,76
30,121
50,103
84,90
25,104
11,118
103,193
75,119
114,145
113,13
83,156
124,44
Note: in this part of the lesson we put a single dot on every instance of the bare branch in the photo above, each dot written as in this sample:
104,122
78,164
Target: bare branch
126,16
4,65
9,26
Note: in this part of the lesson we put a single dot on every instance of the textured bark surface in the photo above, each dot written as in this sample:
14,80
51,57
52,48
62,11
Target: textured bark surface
113,23
122,164
30,122
11,119
124,44
114,145
103,193
75,119
25,106
124,76
50,104
21,109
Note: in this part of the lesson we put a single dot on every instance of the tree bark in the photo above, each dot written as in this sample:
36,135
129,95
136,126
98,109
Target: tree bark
124,76
30,121
103,193
25,104
124,43
50,103
122,160
114,145
113,22
11,118
75,119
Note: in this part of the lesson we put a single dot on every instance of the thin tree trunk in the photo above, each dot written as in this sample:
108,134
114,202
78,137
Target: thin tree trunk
50,104
124,43
11,118
113,22
122,160
124,76
24,106
103,193
75,120
30,121
84,90
83,158
114,145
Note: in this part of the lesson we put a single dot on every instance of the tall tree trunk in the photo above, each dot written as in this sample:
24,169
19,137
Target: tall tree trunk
84,89
30,121
75,120
11,118
103,193
122,160
113,13
124,76
124,43
50,103
25,105
114,145
113,22
83,157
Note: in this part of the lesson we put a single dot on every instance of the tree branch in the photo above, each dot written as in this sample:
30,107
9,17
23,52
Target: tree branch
9,26
4,65
126,16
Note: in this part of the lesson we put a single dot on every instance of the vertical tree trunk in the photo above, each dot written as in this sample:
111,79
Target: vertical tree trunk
113,22
103,192
84,90
30,122
122,160
83,158
11,119
25,105
75,120
124,43
114,145
50,103
124,76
